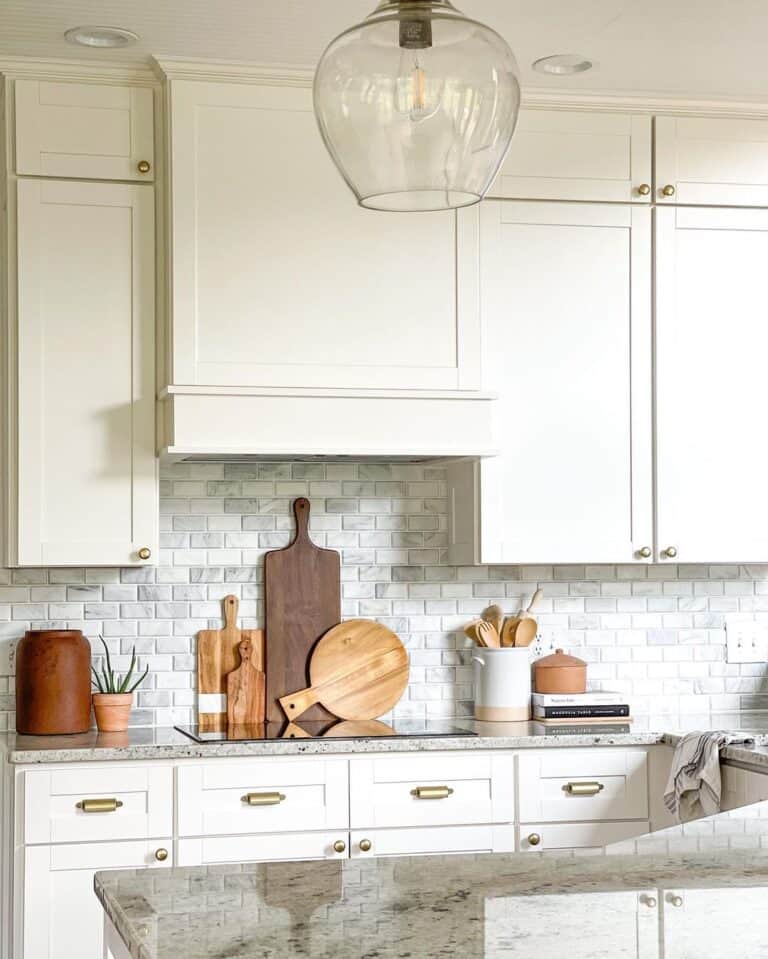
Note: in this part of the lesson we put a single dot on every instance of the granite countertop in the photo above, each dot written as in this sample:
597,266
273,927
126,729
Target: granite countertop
710,879
167,743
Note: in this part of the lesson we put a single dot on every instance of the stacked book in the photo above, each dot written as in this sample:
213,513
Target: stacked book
578,708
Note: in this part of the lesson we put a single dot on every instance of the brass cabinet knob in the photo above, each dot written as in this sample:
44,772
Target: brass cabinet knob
143,166
339,845
644,189
676,901
145,552
668,190
161,855
670,552
534,839
645,552
649,901
365,845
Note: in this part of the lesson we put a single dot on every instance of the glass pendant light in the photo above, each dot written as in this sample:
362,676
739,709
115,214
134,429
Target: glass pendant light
417,106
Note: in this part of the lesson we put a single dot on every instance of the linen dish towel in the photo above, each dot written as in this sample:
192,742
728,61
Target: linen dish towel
694,786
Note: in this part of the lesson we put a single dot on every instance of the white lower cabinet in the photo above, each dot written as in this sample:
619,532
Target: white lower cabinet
272,847
599,925
433,840
539,837
715,922
742,786
58,915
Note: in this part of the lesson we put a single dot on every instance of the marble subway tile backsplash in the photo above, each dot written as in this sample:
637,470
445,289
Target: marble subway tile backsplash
655,632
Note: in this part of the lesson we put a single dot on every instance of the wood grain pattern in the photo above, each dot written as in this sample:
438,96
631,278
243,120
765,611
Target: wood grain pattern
359,670
217,656
302,594
246,685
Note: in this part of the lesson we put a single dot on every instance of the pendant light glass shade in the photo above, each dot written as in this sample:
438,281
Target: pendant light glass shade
417,106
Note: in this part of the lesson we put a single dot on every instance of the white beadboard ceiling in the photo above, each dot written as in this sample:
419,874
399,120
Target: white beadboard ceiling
703,48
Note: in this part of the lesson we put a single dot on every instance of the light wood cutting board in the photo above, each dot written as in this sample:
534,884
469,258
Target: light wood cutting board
217,656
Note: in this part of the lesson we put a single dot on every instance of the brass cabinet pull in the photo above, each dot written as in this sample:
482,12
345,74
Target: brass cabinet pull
143,166
432,792
99,805
670,552
645,552
263,799
583,789
339,845
145,552
668,190
534,839
161,855
644,189
365,845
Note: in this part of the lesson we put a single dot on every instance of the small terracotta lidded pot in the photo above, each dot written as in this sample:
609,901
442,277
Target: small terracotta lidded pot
560,673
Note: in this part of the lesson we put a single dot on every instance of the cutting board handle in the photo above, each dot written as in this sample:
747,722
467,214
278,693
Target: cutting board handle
297,703
230,604
301,512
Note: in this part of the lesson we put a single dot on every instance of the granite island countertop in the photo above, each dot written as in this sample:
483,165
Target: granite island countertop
709,879
165,743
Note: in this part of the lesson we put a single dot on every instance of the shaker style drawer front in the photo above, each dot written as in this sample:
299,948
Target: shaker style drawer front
262,796
270,848
106,803
432,840
84,130
579,785
537,837
427,790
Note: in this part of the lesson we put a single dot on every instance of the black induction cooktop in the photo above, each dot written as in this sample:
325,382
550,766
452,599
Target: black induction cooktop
341,729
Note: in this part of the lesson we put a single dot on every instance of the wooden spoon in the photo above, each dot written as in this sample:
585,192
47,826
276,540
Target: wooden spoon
508,632
495,616
535,599
471,630
526,632
489,634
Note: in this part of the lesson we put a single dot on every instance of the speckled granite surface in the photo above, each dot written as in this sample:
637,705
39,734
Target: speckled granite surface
166,743
709,878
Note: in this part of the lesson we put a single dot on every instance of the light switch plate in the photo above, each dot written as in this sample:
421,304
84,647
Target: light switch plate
746,640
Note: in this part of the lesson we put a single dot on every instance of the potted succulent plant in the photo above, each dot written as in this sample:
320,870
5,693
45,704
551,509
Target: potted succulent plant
113,698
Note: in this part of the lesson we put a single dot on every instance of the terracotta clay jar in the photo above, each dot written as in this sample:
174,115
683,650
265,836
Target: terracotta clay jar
53,683
560,673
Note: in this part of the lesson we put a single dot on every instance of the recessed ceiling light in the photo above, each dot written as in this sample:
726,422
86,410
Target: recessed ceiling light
90,36
563,64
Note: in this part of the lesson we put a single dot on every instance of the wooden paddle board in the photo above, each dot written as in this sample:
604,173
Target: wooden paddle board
302,597
359,670
246,689
217,656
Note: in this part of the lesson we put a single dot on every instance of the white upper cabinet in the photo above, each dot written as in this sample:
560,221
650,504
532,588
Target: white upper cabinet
85,484
711,161
280,280
566,315
574,155
94,131
712,393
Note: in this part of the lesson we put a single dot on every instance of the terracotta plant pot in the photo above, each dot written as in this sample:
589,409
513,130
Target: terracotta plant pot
113,710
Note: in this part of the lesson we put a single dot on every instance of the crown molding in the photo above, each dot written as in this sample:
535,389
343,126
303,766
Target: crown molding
641,102
100,71
233,71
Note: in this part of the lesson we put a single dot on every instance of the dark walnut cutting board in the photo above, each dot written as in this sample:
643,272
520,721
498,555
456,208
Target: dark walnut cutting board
302,598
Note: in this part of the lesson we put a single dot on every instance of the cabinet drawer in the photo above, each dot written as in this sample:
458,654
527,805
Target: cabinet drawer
433,840
213,799
142,797
84,130
555,785
273,848
582,835
431,790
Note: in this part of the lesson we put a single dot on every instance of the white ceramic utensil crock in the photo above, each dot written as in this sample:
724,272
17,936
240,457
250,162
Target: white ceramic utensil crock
502,684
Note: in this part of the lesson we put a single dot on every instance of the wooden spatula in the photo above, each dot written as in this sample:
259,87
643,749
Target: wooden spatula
246,685
488,634
495,616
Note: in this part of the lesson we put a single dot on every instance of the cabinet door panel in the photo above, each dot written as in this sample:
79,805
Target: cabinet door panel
95,131
582,835
711,342
87,489
711,160
715,922
432,840
567,345
276,847
280,280
574,155
61,916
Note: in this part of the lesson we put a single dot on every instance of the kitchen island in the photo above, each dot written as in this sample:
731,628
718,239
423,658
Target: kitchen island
694,890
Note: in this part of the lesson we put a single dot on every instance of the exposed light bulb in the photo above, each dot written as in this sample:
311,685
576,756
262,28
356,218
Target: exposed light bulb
416,94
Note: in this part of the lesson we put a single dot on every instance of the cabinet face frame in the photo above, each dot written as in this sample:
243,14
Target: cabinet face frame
31,547
186,101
